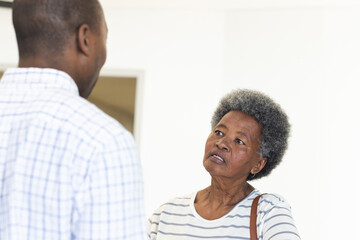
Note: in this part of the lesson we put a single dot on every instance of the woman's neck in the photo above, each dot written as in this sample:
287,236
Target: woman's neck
217,200
225,195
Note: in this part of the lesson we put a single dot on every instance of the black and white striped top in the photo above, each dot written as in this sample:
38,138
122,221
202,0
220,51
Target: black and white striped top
178,219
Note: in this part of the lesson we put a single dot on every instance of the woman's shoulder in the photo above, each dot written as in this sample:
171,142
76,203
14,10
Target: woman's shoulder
174,204
272,200
274,207
275,218
180,200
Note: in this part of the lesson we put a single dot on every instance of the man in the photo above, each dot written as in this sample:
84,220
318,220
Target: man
67,170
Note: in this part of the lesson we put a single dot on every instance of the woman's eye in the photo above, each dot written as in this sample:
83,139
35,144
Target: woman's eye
218,132
239,141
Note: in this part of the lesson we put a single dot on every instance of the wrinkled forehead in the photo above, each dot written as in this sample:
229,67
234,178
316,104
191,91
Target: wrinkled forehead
241,120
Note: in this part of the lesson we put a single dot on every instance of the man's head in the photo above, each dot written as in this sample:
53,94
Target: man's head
68,35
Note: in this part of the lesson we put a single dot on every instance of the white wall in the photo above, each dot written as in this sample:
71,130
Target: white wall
341,118
8,47
306,58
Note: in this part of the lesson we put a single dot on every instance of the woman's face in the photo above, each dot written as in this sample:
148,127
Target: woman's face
232,147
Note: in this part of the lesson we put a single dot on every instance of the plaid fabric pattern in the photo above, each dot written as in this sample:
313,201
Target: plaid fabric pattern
67,170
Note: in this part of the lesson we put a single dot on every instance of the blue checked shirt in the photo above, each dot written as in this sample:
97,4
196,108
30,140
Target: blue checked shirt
67,170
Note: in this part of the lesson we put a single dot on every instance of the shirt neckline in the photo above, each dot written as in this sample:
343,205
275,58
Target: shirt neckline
195,213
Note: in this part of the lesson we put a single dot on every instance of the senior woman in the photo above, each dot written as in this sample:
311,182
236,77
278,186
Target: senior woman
248,140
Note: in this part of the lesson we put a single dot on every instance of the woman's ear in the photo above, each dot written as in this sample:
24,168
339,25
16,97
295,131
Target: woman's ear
259,166
83,39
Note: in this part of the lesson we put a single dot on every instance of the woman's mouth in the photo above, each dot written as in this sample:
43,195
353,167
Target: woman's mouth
216,158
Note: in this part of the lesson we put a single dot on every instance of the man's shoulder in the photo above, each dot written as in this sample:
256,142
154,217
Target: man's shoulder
84,118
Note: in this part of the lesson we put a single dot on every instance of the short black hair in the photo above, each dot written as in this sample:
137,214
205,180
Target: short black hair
275,127
47,25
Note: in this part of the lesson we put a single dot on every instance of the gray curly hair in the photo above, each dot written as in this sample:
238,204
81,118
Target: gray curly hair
275,127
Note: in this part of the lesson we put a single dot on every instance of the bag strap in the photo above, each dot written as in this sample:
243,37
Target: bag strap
253,215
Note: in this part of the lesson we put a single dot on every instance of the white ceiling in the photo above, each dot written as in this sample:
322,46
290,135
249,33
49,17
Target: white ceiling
224,4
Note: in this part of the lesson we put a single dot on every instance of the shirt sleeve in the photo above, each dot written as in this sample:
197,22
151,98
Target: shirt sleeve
153,224
150,232
110,205
275,221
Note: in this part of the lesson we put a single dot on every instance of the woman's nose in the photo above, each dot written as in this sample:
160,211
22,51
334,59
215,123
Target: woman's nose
222,144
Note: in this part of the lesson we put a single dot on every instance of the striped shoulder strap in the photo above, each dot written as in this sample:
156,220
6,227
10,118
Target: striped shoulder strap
253,214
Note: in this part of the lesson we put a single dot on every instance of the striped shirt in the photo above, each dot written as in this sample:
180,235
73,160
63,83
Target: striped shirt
178,219
67,170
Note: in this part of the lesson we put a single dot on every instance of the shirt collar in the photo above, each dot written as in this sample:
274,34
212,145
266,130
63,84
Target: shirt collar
46,78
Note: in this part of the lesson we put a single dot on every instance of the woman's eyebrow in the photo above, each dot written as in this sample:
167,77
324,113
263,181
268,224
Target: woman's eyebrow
222,126
243,134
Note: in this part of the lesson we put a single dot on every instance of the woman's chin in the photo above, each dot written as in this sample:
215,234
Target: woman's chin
214,169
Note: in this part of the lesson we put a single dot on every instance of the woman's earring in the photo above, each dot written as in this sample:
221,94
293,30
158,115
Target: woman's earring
252,175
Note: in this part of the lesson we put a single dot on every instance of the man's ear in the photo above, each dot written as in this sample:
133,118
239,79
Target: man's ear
83,39
259,166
